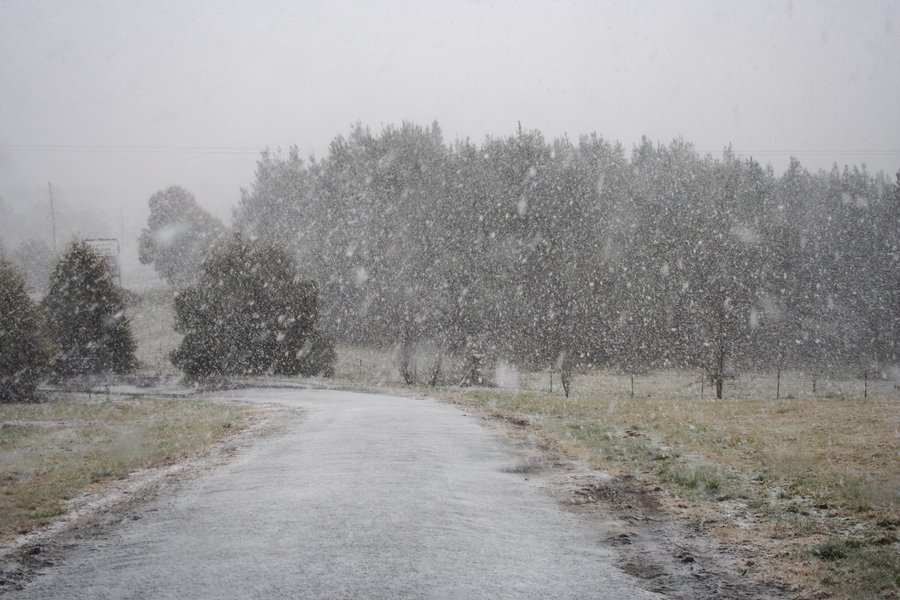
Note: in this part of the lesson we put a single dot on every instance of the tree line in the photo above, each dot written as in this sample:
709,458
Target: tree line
248,313
567,253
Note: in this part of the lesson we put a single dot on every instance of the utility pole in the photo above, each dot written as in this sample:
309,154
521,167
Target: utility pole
121,241
52,214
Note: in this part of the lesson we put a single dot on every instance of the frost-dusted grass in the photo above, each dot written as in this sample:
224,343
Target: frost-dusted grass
51,452
837,451
366,365
153,326
377,366
814,481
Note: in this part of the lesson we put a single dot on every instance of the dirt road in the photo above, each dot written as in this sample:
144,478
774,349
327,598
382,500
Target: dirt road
365,496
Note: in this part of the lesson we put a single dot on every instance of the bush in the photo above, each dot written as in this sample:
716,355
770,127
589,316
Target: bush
250,314
86,316
24,349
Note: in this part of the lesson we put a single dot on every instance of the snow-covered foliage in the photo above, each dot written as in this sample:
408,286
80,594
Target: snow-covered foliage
564,254
24,348
85,313
178,236
250,313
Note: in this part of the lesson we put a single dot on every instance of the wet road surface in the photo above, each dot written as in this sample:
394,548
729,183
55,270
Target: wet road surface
366,496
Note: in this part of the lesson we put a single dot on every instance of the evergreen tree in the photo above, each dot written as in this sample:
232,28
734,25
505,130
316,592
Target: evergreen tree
250,314
24,353
86,316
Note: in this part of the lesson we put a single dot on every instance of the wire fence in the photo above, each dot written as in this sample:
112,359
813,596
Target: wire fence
379,365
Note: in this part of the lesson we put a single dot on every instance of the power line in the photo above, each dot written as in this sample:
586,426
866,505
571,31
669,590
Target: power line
125,149
83,148
813,152
136,149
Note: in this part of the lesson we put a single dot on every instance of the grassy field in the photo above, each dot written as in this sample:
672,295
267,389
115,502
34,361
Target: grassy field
51,452
811,484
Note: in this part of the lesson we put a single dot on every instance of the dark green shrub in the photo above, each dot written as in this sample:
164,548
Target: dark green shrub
24,348
250,314
86,316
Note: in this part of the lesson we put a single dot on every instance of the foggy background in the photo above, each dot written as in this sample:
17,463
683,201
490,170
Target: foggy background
112,101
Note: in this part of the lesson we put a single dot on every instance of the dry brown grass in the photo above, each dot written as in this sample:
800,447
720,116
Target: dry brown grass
51,452
810,484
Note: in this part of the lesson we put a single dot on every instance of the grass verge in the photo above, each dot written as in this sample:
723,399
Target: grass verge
51,452
809,486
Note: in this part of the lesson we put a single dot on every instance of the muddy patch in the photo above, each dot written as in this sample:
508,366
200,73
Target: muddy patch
669,555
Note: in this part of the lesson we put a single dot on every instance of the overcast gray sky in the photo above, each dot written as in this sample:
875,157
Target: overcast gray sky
112,101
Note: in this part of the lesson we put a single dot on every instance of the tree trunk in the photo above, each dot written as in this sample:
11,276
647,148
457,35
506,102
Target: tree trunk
778,385
565,372
436,369
404,360
720,370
